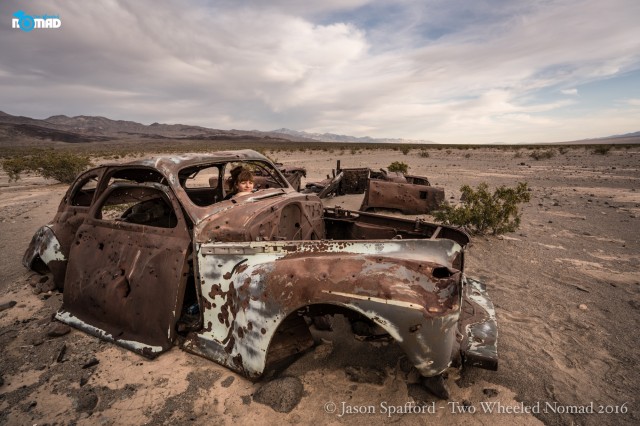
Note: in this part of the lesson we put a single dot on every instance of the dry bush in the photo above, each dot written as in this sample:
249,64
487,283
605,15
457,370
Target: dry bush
542,154
481,211
398,166
602,149
58,165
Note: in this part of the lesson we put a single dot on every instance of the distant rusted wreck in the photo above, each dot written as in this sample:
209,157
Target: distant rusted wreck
292,174
408,194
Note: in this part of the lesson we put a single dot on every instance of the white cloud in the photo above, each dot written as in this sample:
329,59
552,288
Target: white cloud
570,92
413,69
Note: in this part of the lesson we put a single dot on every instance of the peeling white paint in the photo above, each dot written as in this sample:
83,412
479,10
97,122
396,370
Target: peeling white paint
377,300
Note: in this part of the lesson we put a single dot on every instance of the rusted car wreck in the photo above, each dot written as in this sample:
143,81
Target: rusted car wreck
408,194
150,253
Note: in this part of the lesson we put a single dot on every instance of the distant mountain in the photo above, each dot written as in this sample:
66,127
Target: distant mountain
83,128
61,128
624,139
627,135
332,137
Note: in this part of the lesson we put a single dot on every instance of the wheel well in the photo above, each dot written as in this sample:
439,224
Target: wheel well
294,336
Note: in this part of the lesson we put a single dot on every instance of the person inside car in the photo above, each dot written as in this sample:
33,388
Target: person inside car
241,182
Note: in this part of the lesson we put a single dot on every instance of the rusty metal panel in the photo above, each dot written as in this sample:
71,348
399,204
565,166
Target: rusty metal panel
272,214
354,181
125,281
417,180
295,179
293,175
404,197
248,289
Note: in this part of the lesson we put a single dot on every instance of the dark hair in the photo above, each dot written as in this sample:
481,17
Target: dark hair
244,175
240,174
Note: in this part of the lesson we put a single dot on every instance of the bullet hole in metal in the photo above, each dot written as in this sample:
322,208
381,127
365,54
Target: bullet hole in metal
441,272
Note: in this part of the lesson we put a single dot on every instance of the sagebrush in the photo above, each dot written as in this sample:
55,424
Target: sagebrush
398,166
61,166
481,211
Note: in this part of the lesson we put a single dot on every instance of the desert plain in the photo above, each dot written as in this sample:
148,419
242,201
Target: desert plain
565,285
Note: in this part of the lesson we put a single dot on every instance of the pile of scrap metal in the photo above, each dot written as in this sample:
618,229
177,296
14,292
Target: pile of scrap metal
408,194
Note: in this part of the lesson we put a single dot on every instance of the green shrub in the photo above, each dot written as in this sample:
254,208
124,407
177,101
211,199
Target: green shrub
398,166
542,155
481,211
61,166
405,150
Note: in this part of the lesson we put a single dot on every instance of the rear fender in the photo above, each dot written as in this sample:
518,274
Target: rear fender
248,289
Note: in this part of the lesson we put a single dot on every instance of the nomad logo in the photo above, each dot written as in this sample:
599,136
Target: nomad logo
27,22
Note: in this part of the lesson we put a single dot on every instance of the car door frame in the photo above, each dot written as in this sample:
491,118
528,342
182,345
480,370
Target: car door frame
126,282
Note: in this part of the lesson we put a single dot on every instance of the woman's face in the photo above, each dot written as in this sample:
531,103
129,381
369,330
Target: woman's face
245,186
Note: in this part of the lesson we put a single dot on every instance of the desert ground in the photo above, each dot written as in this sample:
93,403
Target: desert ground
566,287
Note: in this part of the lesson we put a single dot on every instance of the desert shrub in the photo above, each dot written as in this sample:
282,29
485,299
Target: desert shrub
398,166
467,155
481,212
542,154
517,154
424,154
61,166
602,149
405,150
563,150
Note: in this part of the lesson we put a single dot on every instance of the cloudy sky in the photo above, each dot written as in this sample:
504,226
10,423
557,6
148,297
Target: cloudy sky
447,71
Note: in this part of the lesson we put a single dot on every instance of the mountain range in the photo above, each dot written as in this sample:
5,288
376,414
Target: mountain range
82,128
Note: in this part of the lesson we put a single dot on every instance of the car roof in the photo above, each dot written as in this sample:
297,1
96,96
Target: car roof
173,163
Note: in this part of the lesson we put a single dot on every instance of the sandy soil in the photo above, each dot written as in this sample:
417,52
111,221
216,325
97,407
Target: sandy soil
566,287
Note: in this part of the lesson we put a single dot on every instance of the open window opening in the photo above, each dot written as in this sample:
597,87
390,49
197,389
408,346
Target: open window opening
83,196
207,184
141,205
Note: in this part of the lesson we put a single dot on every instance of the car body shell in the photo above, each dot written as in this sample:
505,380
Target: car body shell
254,268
